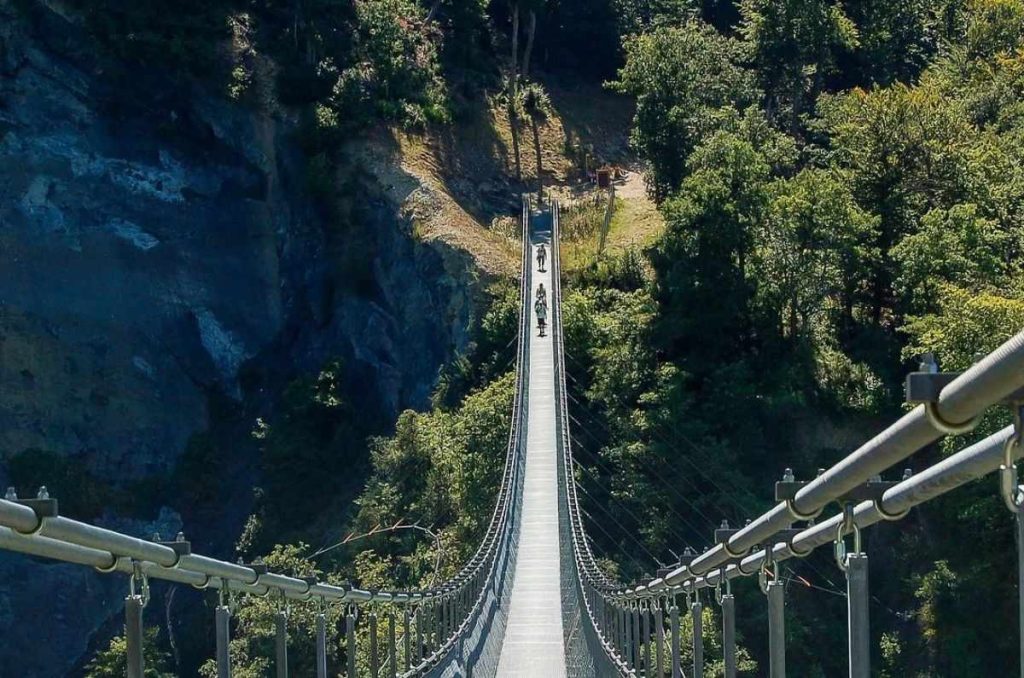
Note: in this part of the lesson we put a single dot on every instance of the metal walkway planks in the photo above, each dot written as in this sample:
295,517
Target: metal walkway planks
533,644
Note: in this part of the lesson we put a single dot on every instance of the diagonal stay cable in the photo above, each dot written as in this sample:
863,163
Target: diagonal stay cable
661,475
665,439
613,540
651,473
611,496
682,456
615,520
609,472
641,566
721,490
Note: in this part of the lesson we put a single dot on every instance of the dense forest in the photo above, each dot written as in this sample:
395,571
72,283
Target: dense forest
842,185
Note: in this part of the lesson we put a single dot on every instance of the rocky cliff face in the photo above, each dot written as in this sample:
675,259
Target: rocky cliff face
153,243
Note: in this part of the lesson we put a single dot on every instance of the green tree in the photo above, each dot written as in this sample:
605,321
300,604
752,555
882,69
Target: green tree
112,662
906,151
537,106
795,46
813,245
682,77
955,246
395,71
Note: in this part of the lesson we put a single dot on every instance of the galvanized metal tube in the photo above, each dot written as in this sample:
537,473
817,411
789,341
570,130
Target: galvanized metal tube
858,616
321,645
418,618
218,568
392,646
350,643
281,643
45,547
623,633
374,650
90,536
134,636
696,616
677,662
659,640
407,637
283,583
627,648
647,641
19,518
729,634
222,620
635,630
776,630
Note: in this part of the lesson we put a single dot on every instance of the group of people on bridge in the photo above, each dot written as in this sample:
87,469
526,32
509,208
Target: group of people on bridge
540,307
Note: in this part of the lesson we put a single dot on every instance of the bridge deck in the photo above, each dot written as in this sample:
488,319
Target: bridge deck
533,637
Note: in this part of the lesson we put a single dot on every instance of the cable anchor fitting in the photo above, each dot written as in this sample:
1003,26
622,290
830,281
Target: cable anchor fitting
847,526
762,573
719,594
138,584
1009,484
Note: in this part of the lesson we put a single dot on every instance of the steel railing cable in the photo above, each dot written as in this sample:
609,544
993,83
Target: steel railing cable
443,614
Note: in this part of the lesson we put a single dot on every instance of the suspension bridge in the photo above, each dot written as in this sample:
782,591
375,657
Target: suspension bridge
532,601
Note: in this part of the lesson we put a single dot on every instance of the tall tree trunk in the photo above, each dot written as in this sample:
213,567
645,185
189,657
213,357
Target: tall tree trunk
513,121
540,167
531,30
515,44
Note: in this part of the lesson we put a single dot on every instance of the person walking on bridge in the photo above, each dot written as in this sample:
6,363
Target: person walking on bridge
541,309
542,255
542,294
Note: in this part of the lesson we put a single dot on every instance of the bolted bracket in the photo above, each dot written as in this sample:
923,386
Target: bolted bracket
923,388
259,569
872,491
180,545
43,505
44,508
786,491
684,561
785,537
722,536
724,533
